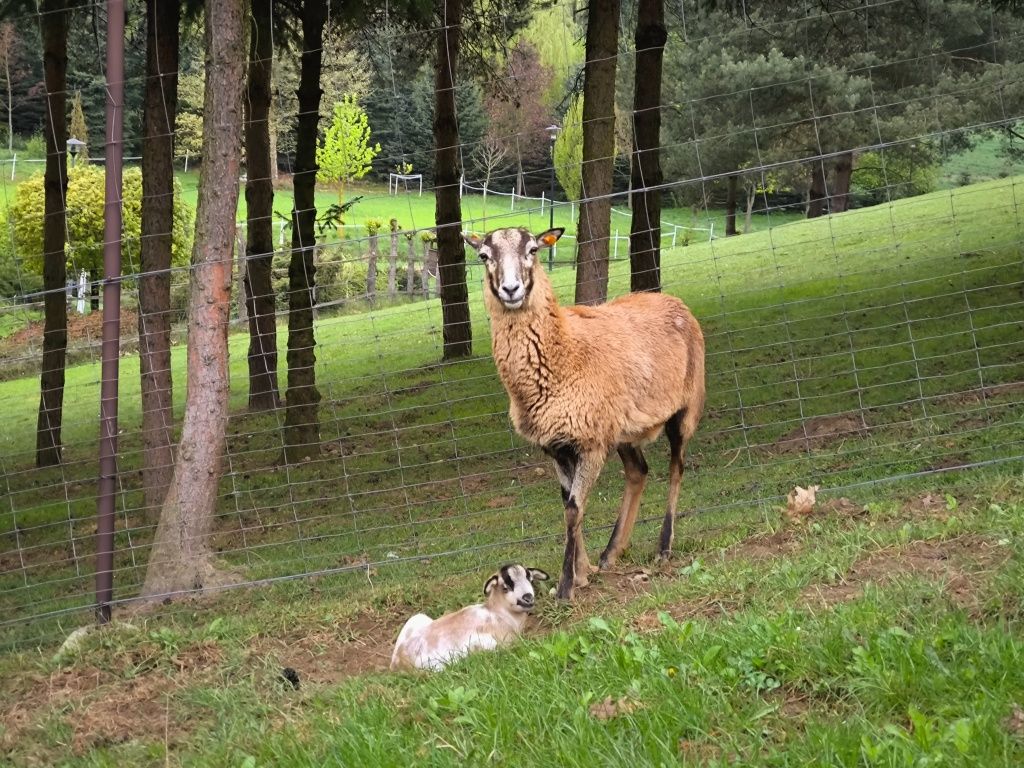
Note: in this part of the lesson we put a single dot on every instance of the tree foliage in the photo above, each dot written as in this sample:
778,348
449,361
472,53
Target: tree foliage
346,153
77,128
762,85
85,221
569,150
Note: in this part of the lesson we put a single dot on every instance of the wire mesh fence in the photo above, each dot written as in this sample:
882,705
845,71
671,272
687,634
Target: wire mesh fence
866,346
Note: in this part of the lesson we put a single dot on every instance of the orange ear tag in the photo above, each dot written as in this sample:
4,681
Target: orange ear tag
549,239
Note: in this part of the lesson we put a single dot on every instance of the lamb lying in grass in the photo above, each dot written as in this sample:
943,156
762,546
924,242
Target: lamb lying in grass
426,643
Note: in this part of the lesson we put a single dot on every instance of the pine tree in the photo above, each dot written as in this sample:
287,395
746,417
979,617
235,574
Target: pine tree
346,152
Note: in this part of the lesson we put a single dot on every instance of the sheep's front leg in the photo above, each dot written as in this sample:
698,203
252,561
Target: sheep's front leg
575,563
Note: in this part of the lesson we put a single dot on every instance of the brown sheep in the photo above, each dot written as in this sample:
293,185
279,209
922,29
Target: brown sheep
584,380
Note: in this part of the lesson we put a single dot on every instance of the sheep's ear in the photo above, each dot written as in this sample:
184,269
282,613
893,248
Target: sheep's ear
490,584
550,237
536,574
473,240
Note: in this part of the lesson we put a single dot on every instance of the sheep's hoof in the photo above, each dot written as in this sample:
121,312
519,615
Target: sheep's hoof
606,563
564,593
663,557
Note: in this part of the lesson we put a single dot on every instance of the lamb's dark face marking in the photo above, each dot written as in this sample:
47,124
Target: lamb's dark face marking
510,255
516,585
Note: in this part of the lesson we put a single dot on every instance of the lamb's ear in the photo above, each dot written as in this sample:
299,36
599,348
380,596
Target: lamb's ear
490,584
473,240
550,237
536,574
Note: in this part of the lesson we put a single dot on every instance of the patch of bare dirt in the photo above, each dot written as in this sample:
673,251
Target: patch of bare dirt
708,607
821,431
621,584
981,393
101,707
501,502
843,507
136,709
331,654
956,563
926,505
763,547
81,328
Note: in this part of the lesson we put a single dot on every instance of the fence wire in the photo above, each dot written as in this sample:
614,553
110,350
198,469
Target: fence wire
869,346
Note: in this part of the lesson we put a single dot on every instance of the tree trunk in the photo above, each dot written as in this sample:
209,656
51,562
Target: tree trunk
816,196
393,261
456,329
161,104
10,100
259,200
841,193
94,290
730,205
301,422
594,226
53,26
646,177
181,556
748,222
273,139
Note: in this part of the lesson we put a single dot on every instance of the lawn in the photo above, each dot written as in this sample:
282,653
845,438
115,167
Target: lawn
880,344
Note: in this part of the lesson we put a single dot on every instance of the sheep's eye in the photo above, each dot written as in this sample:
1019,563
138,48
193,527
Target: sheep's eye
533,251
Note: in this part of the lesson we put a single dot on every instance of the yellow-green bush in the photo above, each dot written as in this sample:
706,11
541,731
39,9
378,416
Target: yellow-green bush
85,195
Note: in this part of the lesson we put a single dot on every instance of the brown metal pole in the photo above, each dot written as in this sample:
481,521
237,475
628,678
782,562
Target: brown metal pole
111,310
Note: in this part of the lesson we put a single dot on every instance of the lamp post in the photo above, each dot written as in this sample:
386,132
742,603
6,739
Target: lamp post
74,147
552,135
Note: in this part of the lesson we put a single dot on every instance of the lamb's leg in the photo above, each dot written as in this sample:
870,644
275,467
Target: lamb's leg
636,478
575,564
677,451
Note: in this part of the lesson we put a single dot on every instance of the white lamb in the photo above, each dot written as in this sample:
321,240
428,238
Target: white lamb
426,643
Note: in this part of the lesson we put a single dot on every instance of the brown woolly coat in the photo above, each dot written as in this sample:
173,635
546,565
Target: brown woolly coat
594,377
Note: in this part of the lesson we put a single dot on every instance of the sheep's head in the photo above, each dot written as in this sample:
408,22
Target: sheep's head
510,255
513,585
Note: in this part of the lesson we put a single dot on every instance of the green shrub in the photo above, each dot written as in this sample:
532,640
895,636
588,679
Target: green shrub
35,145
85,221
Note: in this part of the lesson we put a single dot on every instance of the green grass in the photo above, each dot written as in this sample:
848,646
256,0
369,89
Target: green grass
907,315
983,162
727,657
415,211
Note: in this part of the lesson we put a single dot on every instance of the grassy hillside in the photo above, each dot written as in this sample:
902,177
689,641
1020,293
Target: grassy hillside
883,343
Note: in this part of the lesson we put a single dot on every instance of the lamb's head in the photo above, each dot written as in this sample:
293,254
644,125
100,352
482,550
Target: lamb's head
512,588
510,255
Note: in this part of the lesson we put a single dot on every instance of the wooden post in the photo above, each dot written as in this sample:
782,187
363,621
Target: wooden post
371,267
410,267
393,260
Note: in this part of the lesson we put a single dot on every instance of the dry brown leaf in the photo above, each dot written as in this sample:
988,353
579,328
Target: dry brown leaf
800,502
1015,722
607,709
640,577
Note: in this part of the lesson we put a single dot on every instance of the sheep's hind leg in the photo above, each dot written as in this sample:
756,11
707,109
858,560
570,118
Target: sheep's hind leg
635,466
677,447
575,563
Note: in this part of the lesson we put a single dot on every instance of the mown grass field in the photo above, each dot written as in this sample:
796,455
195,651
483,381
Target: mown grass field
884,343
